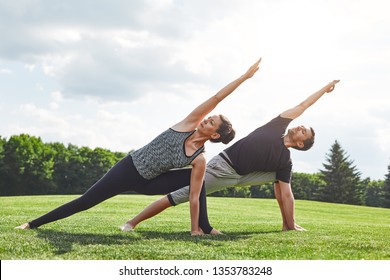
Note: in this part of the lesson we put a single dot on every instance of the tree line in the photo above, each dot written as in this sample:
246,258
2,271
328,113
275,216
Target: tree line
28,166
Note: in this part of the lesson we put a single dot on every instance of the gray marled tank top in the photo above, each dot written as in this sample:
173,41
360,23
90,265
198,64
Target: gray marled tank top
165,152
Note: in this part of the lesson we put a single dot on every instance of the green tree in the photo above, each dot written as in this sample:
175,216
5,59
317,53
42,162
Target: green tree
374,193
386,189
3,184
76,169
342,180
96,163
61,168
306,186
263,191
29,166
233,192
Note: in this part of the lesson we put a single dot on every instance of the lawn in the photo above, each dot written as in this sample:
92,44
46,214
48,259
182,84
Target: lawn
252,230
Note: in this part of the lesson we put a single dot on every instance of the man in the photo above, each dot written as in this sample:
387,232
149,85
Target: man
262,156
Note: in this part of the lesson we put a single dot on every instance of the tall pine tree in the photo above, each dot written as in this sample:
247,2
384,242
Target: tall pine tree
343,183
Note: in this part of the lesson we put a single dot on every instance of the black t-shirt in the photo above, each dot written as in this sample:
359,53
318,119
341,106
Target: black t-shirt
263,150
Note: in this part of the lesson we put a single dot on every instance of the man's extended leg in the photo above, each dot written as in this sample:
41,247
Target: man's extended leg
152,210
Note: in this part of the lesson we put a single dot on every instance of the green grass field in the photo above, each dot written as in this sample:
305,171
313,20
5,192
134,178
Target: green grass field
252,230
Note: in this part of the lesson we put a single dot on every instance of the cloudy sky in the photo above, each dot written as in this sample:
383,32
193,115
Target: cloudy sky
114,74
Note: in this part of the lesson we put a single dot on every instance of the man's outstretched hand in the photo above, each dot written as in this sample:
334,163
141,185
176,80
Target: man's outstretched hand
330,87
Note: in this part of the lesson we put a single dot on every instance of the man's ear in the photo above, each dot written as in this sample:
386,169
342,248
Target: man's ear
300,144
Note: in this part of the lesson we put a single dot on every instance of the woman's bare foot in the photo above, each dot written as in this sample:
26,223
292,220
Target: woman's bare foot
197,233
126,227
24,226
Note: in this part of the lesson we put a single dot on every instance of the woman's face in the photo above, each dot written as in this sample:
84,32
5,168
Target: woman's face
210,126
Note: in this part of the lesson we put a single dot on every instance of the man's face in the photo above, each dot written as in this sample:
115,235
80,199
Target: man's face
299,134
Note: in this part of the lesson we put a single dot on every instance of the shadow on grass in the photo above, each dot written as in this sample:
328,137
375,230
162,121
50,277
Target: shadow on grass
63,241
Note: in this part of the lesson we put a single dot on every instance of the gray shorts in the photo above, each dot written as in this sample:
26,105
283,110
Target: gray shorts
220,175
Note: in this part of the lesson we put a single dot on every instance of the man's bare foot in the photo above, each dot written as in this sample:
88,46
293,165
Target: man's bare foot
24,226
215,232
296,227
299,228
126,227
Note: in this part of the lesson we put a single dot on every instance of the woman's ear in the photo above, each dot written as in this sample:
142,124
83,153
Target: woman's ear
215,136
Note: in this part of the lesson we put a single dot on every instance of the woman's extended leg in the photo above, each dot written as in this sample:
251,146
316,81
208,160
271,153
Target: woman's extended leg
115,181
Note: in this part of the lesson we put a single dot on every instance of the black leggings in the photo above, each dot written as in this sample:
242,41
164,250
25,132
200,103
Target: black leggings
172,181
121,178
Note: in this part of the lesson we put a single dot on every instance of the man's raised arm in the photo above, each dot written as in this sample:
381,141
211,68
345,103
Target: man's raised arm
296,111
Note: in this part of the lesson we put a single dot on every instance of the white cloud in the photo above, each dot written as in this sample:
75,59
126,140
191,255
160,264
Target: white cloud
57,99
57,96
45,117
30,67
5,71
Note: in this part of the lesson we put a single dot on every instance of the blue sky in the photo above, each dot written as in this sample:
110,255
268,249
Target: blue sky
114,74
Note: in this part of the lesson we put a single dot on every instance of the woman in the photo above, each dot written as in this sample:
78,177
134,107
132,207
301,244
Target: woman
178,146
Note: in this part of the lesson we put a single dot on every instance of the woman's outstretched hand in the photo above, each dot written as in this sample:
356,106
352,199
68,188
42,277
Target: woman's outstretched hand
252,70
